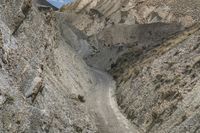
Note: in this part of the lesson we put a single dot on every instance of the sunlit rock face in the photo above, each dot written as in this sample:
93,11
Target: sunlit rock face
41,77
99,14
145,45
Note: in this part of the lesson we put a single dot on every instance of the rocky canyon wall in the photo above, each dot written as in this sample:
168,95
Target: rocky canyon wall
42,80
157,85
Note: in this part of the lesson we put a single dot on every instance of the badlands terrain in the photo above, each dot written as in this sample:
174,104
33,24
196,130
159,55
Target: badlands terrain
100,66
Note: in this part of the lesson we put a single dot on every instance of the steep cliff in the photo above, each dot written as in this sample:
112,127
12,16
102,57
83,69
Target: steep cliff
54,66
92,16
159,89
42,80
155,65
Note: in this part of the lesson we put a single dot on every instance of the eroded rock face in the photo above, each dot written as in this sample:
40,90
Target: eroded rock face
41,76
92,16
158,87
118,40
161,93
44,79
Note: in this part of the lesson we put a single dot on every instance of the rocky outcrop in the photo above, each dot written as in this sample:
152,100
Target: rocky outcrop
154,88
41,78
157,82
50,66
92,16
118,40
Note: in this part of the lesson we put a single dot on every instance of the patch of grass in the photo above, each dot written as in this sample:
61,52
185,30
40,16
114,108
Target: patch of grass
177,80
157,87
159,79
9,99
81,98
170,64
77,128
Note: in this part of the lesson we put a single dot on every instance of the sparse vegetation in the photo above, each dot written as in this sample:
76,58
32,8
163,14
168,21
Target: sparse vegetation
147,50
9,99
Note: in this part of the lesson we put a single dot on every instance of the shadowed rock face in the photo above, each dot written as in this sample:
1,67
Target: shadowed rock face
113,42
155,88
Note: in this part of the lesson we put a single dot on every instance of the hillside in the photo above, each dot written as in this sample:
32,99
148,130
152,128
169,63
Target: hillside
41,79
100,66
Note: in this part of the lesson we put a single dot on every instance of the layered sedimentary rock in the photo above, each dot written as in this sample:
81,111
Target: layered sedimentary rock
157,85
48,61
159,90
42,80
91,16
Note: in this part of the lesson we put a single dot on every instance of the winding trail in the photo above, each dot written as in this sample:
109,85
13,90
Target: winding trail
102,104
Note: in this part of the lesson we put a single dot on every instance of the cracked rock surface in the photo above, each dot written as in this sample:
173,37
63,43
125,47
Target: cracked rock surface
39,80
157,85
55,66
